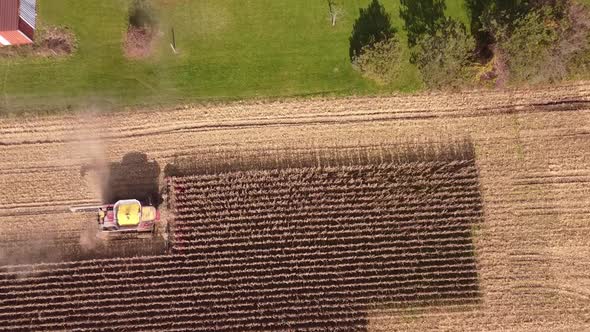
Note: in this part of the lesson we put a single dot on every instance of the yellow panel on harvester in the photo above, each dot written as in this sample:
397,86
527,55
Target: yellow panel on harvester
128,213
148,213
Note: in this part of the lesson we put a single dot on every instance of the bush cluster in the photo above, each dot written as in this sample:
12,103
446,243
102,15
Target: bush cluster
527,41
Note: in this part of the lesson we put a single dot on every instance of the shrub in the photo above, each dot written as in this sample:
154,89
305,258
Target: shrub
574,47
445,57
381,61
579,65
529,46
540,40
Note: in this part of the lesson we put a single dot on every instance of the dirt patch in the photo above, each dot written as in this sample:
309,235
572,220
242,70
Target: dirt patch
500,69
138,42
495,72
50,42
143,23
57,41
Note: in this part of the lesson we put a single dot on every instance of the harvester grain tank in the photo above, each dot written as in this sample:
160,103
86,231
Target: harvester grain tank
127,215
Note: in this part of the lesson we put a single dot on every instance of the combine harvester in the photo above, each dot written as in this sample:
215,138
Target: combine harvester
125,216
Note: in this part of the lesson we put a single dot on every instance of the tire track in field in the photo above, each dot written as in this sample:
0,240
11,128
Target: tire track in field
342,118
167,153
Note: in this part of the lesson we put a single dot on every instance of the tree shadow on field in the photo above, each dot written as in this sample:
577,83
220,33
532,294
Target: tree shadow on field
134,177
372,26
422,17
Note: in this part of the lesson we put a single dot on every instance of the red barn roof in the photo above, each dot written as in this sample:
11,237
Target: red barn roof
8,15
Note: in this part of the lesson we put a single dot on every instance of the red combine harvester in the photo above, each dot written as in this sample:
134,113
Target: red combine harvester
124,216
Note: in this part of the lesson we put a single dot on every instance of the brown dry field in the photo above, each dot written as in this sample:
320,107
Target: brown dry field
532,150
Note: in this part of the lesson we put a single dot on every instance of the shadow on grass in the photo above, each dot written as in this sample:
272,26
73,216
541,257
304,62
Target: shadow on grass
422,17
372,26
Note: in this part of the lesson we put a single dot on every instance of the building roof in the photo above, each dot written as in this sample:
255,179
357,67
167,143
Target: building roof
17,21
9,15
14,37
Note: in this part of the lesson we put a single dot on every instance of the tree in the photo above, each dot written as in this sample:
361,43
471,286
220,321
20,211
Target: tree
380,62
529,44
533,39
422,17
505,13
372,26
335,11
445,57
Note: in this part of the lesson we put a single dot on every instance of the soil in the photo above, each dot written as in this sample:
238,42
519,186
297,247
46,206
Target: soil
57,42
50,42
531,152
496,71
501,70
138,42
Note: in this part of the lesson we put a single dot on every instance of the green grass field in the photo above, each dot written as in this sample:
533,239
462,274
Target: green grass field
228,49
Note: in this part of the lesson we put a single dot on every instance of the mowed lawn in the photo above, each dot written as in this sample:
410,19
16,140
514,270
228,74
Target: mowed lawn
228,49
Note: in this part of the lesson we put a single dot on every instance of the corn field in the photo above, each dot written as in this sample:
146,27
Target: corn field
465,211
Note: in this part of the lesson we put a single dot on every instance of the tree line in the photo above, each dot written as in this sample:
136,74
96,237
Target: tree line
517,41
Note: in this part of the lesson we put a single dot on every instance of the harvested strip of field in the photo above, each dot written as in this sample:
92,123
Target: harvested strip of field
55,236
